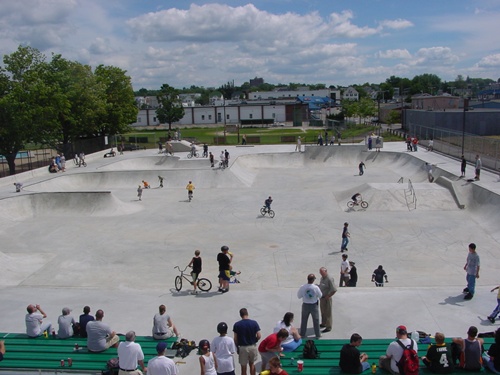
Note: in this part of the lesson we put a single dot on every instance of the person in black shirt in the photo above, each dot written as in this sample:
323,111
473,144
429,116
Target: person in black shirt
224,269
353,273
351,361
438,358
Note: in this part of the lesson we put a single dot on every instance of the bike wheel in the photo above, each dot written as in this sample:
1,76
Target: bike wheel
178,283
197,155
263,211
204,285
271,213
190,155
364,204
350,204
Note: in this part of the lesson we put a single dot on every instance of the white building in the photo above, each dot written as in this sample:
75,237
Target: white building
351,94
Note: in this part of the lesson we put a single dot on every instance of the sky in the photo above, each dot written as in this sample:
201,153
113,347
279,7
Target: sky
207,43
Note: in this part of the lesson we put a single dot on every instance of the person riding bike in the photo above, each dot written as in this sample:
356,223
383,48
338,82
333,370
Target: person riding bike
267,203
190,188
193,149
356,198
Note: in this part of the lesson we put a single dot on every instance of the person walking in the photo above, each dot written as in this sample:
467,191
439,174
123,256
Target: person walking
463,164
310,295
344,271
195,264
379,275
211,158
345,238
496,311
299,144
472,266
328,289
190,188
139,192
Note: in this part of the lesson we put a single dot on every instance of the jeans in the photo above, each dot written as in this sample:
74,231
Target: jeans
496,311
489,364
345,241
471,283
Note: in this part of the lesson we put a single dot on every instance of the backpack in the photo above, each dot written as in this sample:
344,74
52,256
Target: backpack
409,362
310,351
184,347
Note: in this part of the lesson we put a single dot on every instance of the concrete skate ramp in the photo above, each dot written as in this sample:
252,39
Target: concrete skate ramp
160,162
92,181
396,197
98,204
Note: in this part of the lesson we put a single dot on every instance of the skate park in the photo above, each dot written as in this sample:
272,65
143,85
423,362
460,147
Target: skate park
82,238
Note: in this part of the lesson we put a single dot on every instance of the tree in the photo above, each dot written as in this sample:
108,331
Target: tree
366,108
393,117
170,106
25,102
120,109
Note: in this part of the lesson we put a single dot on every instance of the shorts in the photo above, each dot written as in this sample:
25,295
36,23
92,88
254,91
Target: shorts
163,336
248,354
194,275
225,275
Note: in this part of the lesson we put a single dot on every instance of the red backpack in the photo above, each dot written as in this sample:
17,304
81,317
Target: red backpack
409,362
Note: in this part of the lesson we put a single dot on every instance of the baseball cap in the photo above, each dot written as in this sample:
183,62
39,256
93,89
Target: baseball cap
401,329
161,347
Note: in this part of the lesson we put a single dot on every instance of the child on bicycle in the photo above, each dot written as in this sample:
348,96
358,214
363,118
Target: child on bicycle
146,184
195,273
190,188
356,198
267,203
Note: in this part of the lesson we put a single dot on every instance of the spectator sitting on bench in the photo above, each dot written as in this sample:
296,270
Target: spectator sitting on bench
66,323
2,350
439,359
84,319
99,335
34,321
468,350
389,362
351,360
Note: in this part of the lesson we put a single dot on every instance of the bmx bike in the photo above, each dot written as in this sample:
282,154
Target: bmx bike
264,211
363,204
203,284
196,154
110,154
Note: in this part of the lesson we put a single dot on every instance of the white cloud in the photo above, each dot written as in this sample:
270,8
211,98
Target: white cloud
435,55
490,61
398,24
394,54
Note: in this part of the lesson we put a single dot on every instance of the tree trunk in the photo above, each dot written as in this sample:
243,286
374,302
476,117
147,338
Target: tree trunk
11,160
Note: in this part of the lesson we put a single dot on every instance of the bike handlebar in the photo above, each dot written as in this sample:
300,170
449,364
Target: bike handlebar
180,268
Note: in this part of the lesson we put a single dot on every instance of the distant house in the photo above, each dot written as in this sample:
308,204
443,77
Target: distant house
256,82
350,94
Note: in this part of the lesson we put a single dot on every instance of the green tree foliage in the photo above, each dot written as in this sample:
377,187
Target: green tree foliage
393,117
425,83
120,109
170,106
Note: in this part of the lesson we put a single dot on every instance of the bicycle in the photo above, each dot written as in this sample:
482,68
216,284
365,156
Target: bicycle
363,204
265,211
196,154
203,284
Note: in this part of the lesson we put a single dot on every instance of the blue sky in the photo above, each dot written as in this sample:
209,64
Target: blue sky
208,43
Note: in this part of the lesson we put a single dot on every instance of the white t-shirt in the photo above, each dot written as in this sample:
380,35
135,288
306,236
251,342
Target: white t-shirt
160,323
224,348
310,293
281,325
129,353
161,365
396,351
33,324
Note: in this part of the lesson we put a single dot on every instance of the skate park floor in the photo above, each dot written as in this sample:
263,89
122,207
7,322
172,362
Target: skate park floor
82,238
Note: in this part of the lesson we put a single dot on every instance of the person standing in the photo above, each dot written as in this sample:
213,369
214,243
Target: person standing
224,261
344,271
130,355
224,348
472,266
463,164
298,147
310,295
208,360
139,192
211,158
428,166
478,167
353,275
226,156
345,237
246,335
205,150
195,264
35,326
244,140
160,180
190,188
370,142
328,289
161,365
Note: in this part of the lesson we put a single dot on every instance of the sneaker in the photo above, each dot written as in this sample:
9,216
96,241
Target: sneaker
491,319
468,296
326,330
220,289
466,290
322,326
224,291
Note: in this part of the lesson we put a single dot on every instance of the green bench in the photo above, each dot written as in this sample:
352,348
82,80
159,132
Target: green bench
329,355
35,354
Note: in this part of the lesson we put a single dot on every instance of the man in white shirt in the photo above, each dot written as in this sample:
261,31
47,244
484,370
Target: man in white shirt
394,352
344,271
130,355
310,294
161,365
35,326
